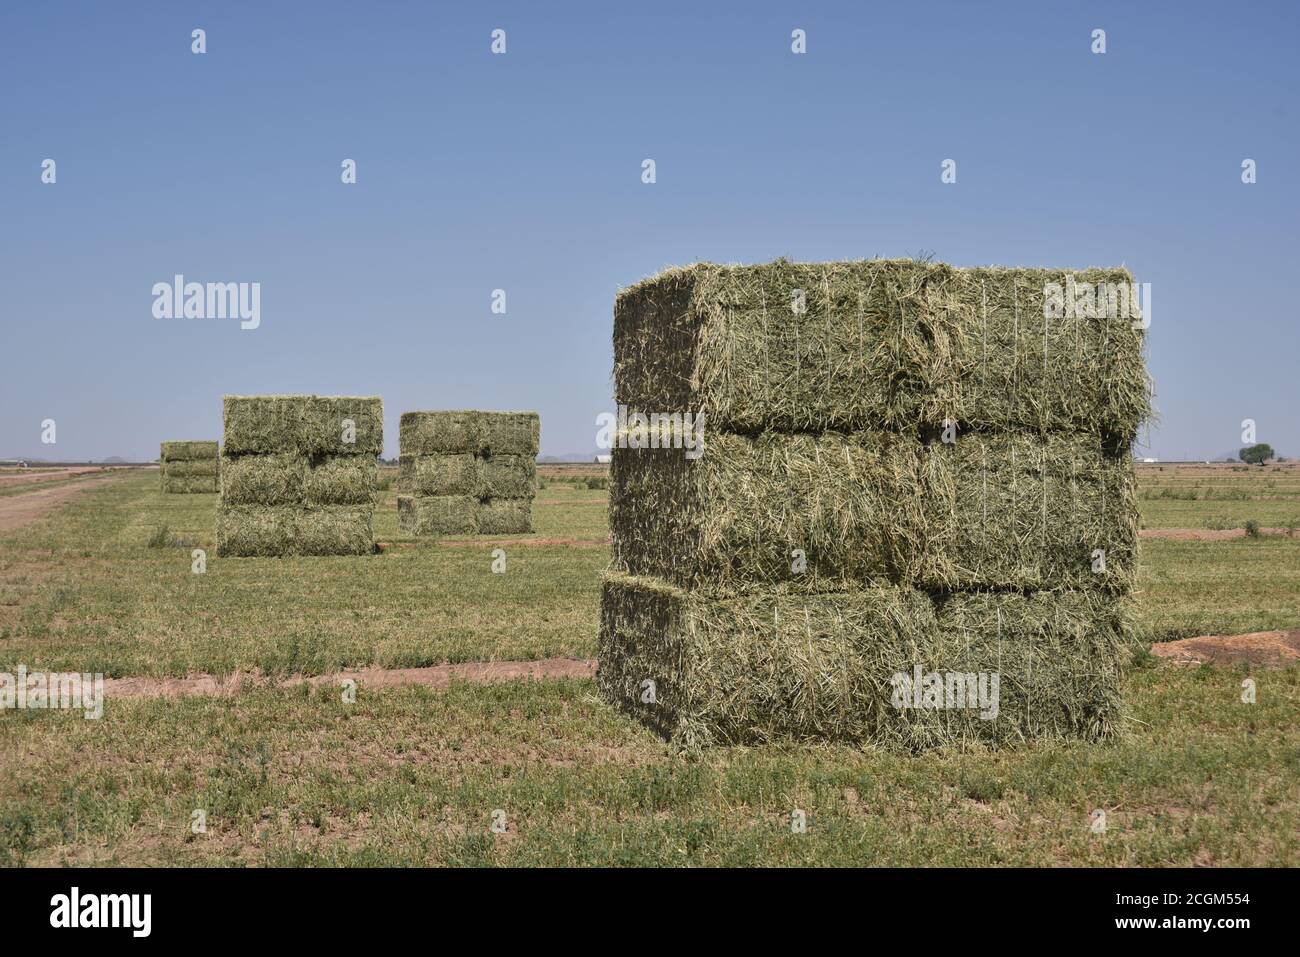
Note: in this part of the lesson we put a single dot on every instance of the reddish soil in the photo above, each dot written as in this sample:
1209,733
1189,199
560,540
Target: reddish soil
436,676
1275,649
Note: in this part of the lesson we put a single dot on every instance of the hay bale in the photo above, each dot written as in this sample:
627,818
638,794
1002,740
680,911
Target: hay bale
441,473
1018,369
435,433
275,531
264,424
190,467
863,347
324,432
505,516
267,480
503,475
1061,658
437,514
188,450
509,433
341,480
758,667
189,484
779,665
338,530
1023,512
250,531
733,518
460,431
874,344
306,424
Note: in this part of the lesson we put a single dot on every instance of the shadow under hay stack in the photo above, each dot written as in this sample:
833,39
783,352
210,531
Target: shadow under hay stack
468,472
299,475
905,466
189,467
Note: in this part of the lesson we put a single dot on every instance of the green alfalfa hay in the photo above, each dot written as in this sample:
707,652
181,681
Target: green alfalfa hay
1061,655
303,424
189,484
509,433
341,480
760,667
266,480
183,468
833,511
264,424
786,666
460,431
507,476
441,473
432,515
345,425
338,530
895,344
187,450
786,346
1024,512
280,531
814,512
1079,370
504,516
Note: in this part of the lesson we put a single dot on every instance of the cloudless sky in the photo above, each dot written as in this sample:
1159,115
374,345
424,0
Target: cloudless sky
523,172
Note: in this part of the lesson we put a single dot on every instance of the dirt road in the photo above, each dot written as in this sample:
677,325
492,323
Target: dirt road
435,676
24,507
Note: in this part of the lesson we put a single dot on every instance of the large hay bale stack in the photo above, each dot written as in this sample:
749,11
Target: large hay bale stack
188,467
468,472
907,472
298,475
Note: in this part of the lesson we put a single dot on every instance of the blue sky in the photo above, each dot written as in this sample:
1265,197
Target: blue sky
522,172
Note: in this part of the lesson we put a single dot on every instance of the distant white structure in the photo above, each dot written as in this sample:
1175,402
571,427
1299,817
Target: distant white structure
603,459
1150,460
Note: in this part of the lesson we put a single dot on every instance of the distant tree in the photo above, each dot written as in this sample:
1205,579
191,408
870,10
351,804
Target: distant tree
1257,454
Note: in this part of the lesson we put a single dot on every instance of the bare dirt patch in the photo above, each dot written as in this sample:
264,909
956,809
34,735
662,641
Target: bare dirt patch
495,542
1204,534
1269,649
436,676
17,477
18,510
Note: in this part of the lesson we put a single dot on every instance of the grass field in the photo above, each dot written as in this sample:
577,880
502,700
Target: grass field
413,776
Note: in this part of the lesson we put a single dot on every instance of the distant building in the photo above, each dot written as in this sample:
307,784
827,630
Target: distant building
603,459
1150,460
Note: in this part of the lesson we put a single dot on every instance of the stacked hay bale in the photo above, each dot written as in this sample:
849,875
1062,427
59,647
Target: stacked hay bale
469,473
298,475
188,466
906,471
